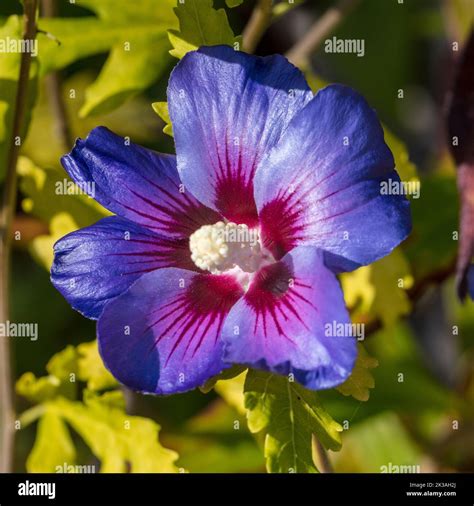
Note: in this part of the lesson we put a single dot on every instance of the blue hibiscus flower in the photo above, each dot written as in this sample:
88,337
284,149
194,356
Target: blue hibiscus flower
227,252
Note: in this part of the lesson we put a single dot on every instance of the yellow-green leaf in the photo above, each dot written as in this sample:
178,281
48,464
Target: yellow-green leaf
200,25
361,379
116,439
92,369
289,416
53,446
232,391
380,288
135,33
161,108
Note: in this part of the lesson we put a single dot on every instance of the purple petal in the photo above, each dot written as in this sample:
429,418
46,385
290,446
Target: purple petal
228,110
285,322
136,183
315,190
97,263
162,335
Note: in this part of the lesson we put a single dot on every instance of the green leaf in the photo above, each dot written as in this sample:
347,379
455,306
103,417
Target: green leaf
361,379
116,439
161,108
53,446
134,33
232,391
200,25
226,374
289,416
229,384
379,289
233,3
92,369
37,389
9,73
62,368
63,364
122,443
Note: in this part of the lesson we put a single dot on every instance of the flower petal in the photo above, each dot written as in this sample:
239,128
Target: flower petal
162,335
322,184
97,263
285,322
136,183
470,281
228,109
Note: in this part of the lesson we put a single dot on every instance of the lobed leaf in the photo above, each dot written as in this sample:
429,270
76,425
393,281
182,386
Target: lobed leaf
288,415
200,25
361,379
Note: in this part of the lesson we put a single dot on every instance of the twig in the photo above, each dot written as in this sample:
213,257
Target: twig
53,87
299,54
258,23
7,433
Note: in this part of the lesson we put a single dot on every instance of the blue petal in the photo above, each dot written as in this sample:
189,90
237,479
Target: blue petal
97,263
136,183
322,184
293,320
470,281
162,335
228,110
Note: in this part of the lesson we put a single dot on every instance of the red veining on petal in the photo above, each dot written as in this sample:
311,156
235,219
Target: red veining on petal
197,313
280,225
234,199
178,213
234,186
165,253
274,296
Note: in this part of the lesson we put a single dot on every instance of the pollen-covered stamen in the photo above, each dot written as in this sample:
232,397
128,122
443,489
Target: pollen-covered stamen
223,246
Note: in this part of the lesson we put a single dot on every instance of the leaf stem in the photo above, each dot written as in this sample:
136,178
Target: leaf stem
300,53
258,23
31,415
7,209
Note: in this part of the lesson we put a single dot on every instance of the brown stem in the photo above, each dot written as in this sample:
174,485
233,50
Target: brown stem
7,432
299,54
258,23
